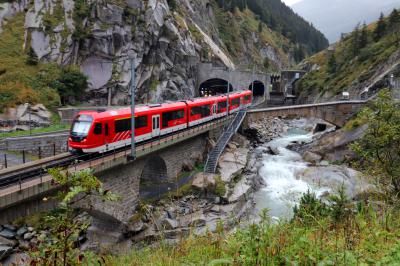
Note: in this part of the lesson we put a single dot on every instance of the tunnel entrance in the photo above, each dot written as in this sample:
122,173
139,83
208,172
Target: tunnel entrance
213,87
258,88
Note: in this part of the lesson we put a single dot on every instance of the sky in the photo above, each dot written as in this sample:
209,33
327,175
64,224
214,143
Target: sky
290,2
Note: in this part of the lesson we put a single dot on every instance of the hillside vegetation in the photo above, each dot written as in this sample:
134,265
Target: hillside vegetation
244,37
280,18
354,61
23,78
319,235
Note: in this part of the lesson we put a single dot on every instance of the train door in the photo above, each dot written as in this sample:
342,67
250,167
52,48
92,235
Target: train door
107,136
215,110
155,125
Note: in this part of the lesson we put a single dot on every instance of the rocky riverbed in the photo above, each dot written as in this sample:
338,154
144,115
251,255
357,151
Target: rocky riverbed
271,167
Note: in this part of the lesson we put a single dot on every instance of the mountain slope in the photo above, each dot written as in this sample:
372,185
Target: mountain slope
361,60
166,38
341,16
282,19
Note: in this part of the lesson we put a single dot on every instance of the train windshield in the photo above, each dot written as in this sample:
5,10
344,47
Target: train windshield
81,125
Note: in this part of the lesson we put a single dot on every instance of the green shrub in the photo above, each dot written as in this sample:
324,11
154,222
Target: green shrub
220,189
70,83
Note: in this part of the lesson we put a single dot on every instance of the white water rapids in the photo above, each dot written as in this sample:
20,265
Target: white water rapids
283,189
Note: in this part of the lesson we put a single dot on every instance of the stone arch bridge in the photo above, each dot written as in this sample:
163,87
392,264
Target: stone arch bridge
159,162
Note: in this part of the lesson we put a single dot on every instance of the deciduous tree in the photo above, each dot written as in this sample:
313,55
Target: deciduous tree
64,224
379,149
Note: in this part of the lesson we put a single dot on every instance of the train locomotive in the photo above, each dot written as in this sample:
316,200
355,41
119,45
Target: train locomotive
99,132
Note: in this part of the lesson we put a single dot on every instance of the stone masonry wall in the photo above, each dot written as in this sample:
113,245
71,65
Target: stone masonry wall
48,144
124,180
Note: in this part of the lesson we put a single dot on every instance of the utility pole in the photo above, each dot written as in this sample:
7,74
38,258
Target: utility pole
252,83
227,94
133,150
29,118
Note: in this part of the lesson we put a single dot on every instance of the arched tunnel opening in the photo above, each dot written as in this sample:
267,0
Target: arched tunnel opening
153,177
213,87
258,88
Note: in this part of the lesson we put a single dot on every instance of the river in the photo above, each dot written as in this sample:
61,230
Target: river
283,187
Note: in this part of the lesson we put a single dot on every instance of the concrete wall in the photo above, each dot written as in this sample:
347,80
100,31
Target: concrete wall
240,80
337,113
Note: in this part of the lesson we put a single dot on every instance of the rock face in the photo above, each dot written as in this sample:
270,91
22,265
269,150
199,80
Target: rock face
266,129
22,116
10,8
335,176
105,38
333,146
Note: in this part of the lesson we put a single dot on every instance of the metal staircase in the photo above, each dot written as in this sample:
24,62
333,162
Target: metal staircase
215,153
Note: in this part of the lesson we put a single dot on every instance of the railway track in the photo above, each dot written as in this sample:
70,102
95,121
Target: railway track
10,176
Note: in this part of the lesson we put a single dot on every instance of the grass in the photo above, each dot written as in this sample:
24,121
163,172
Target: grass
366,238
19,81
236,28
350,69
51,128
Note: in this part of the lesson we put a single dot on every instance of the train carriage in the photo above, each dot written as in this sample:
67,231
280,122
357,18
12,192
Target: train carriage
93,131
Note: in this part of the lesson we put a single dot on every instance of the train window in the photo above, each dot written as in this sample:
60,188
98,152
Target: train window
106,129
125,124
141,121
235,101
203,111
221,105
247,98
122,125
172,115
97,129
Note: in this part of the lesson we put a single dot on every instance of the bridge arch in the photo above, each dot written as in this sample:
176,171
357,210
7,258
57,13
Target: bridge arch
214,86
155,169
258,88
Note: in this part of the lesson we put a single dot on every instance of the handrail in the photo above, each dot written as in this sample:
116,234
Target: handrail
211,162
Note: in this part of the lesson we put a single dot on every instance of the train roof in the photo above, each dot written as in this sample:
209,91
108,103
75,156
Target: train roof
138,109
156,107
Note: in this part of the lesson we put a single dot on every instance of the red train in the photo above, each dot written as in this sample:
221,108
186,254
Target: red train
93,131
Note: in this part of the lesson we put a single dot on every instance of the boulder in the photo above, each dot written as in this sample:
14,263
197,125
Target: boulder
168,224
273,150
334,145
240,191
7,233
202,181
5,251
7,242
334,176
194,219
312,157
29,235
135,227
232,163
21,231
9,227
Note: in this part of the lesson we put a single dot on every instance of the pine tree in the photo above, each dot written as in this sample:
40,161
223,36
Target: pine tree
32,58
394,18
332,65
380,28
260,27
355,41
363,37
